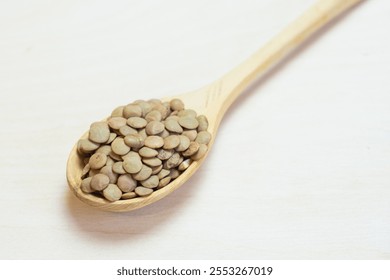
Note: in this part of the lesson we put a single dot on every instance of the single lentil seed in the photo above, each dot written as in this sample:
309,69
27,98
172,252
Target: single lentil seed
119,147
152,162
154,142
188,122
85,170
173,117
86,185
106,149
168,107
143,174
128,195
187,113
147,152
136,122
112,193
118,168
143,134
97,160
142,191
203,123
116,122
134,140
164,133
154,127
171,142
154,101
165,154
192,149
184,165
99,182
165,181
132,165
153,116
191,134
132,110
180,161
86,146
99,132
184,143
151,182
127,130
173,126
131,154
163,173
114,156
156,169
110,161
203,137
172,162
117,112
111,138
200,153
176,104
174,173
126,183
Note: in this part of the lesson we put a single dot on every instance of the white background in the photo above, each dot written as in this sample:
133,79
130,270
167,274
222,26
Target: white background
301,165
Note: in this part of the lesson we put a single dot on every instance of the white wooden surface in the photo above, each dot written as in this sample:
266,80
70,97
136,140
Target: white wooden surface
306,150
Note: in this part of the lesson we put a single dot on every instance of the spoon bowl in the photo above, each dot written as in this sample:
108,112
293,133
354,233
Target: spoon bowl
75,164
214,100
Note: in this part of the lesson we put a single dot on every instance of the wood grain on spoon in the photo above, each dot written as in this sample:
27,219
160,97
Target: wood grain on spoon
214,99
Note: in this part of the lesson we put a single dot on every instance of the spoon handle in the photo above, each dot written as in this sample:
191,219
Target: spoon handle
233,83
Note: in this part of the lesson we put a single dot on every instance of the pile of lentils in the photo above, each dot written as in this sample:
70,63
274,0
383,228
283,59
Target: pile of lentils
142,147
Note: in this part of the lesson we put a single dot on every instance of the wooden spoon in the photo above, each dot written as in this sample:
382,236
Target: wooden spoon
214,100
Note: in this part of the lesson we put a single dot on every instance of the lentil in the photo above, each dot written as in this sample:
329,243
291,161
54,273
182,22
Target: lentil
203,123
184,143
99,182
173,126
86,185
134,141
188,122
119,147
171,142
143,174
118,168
116,122
136,122
154,142
154,127
132,110
132,165
126,183
99,132
147,152
112,193
142,191
107,170
191,134
128,195
151,182
203,137
97,161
